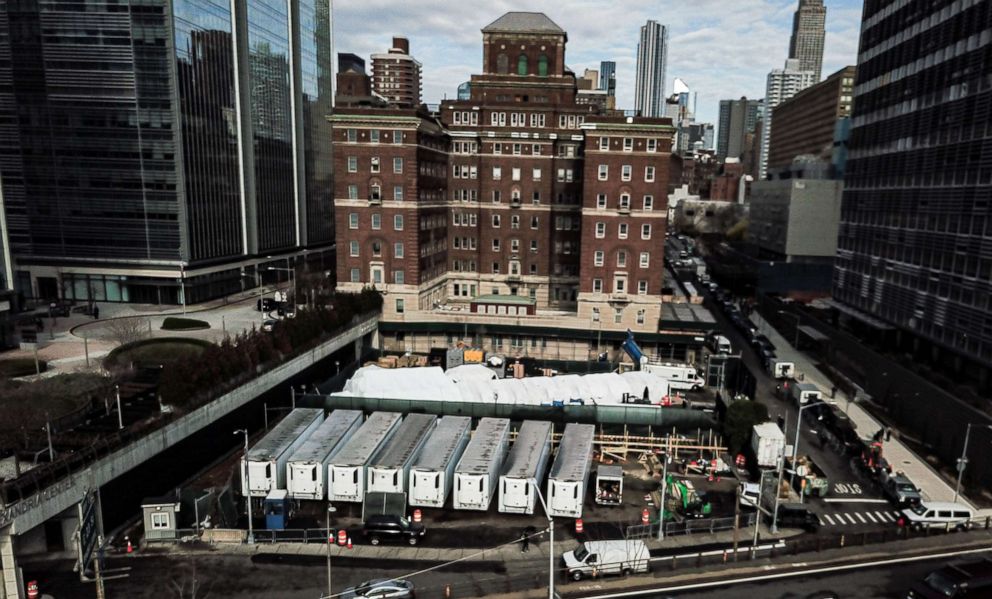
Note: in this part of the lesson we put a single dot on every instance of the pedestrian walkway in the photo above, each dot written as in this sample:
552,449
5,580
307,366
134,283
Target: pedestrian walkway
932,486
884,515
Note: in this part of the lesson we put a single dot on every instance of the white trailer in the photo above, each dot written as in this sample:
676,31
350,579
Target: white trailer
431,475
478,471
265,465
524,467
680,377
307,467
389,471
346,470
768,444
570,472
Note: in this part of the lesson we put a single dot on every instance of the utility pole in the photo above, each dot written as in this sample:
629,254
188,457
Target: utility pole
120,416
247,489
330,541
48,433
551,541
100,594
737,516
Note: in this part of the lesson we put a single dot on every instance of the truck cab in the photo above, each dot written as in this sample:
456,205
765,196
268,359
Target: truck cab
900,490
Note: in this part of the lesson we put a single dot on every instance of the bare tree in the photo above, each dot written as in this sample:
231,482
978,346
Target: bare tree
186,584
127,330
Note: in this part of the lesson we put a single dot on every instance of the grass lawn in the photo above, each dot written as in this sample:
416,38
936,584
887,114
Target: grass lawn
155,351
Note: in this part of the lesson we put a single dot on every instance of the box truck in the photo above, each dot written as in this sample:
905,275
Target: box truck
609,484
264,468
680,377
477,473
524,467
802,393
307,467
768,444
388,472
432,473
570,471
347,469
593,559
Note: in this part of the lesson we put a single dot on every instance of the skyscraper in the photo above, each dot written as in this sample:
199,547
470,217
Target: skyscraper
806,43
608,77
738,118
916,218
781,85
652,59
202,146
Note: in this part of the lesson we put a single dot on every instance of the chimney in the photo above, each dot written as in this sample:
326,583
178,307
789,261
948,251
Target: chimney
402,44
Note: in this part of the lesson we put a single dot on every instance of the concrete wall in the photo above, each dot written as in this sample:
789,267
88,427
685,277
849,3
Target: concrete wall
796,217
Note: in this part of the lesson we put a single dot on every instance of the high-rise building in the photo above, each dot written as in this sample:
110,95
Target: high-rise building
396,75
781,85
200,149
805,124
608,77
808,31
738,119
652,60
916,219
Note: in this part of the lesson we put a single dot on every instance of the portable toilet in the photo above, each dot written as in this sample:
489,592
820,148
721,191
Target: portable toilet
276,509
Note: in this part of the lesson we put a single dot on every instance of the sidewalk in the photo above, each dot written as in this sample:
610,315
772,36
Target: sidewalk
932,486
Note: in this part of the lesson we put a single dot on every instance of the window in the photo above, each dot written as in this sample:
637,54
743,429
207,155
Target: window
642,287
399,306
514,245
533,245
495,221
496,196
353,249
399,277
542,65
625,172
502,64
628,144
595,318
601,201
398,222
374,136
625,201
649,203
604,172
604,143
536,197
352,164
522,64
353,220
398,251
376,221
497,148
652,145
537,174
598,258
622,231
160,520
352,135
375,192
618,312
497,173
356,276
398,165
622,259
534,221
495,270
352,192
597,285
516,149
376,249
600,230
397,137
645,259
645,231
375,164
515,174
649,174
515,221
495,245
398,193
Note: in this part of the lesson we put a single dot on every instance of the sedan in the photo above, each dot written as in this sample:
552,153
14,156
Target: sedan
381,588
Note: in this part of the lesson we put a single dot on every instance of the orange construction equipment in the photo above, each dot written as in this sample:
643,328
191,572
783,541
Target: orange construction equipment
349,543
645,516
342,537
130,548
578,525
417,515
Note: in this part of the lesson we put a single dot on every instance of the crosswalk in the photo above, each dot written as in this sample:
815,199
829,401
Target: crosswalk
859,518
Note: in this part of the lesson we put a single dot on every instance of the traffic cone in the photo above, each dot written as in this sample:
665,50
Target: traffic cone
130,549
417,515
578,525
349,543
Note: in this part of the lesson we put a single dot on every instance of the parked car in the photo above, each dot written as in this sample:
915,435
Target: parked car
900,490
268,324
962,579
797,515
385,527
932,514
750,493
759,340
381,588
266,304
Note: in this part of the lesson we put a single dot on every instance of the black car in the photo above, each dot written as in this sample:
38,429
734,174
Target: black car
384,527
796,515
266,304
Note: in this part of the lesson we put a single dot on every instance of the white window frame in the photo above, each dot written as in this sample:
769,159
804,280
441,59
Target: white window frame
626,172
374,164
628,144
376,221
399,251
597,285
397,165
623,231
398,222
645,260
496,221
601,201
353,248
161,520
642,287
353,220
648,203
646,231
600,230
649,174
622,259
352,164
604,143
652,145
604,172
599,258
497,173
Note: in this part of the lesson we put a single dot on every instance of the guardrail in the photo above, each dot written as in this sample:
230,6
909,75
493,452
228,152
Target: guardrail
688,527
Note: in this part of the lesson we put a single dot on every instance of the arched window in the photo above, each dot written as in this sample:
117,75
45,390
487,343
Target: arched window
542,65
502,64
522,65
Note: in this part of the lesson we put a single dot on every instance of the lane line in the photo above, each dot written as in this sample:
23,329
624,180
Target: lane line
870,517
853,500
829,519
851,518
885,517
863,521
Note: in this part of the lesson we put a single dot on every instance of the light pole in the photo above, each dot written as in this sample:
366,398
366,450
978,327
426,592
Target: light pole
120,417
761,494
292,274
182,283
799,321
661,508
778,491
330,537
795,446
963,460
551,541
247,489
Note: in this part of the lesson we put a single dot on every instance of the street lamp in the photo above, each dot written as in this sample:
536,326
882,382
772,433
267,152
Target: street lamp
330,510
963,460
795,446
247,489
551,541
664,489
799,321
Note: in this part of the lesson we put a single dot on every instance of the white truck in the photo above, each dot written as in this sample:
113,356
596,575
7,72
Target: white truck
477,473
524,467
570,472
263,469
720,344
768,444
432,474
780,369
802,393
347,469
307,467
680,377
593,559
390,470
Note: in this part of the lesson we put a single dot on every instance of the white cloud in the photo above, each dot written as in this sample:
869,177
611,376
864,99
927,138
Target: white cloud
721,48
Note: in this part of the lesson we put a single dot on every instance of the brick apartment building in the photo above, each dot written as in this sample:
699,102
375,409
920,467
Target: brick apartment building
515,217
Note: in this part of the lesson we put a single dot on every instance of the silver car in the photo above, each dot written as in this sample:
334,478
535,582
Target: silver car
381,588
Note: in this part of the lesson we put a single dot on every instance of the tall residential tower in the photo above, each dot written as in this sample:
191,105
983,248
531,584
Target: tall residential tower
781,85
808,30
652,60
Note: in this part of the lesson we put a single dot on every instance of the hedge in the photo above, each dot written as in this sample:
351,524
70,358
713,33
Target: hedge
173,323
20,367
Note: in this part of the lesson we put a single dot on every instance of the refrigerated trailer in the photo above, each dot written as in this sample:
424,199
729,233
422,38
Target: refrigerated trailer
432,473
265,463
524,467
478,471
570,472
389,471
307,468
347,469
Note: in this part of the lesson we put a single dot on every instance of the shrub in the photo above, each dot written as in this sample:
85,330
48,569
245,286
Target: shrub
172,323
20,367
155,351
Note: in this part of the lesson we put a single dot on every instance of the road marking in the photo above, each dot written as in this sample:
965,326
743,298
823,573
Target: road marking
886,517
829,519
863,521
851,518
794,574
853,500
870,517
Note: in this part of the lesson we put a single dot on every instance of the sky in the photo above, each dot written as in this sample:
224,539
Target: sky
720,48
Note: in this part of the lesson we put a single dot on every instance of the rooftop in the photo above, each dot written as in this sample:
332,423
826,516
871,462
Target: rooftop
523,22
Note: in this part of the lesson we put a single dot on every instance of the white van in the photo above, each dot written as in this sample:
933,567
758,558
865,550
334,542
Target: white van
932,514
598,558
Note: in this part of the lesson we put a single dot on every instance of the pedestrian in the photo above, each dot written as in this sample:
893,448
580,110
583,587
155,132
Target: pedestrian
96,312
833,392
888,433
524,542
